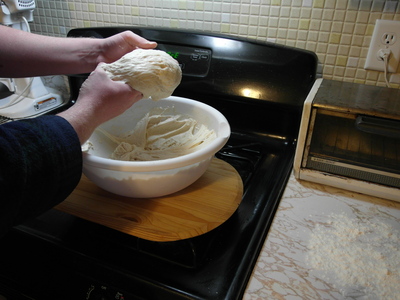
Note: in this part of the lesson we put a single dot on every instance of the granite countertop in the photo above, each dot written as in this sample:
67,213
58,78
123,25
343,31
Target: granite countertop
328,243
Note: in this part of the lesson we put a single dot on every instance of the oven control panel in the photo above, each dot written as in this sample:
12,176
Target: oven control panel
193,61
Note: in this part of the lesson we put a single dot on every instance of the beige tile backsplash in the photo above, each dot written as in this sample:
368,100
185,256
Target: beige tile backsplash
338,31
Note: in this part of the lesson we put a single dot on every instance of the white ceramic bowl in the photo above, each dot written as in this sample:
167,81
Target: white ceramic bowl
145,179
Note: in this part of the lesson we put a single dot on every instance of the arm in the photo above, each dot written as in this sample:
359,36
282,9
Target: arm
41,158
40,165
100,99
24,54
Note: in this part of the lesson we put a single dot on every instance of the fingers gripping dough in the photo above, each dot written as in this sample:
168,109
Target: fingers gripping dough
154,73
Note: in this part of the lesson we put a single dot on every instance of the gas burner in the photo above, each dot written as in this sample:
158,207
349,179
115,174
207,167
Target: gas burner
243,157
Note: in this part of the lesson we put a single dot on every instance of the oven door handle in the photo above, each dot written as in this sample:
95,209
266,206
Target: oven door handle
379,126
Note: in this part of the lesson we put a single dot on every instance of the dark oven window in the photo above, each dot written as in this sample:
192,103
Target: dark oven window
338,142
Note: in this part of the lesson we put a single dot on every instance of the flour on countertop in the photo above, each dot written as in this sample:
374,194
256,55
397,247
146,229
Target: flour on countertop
360,257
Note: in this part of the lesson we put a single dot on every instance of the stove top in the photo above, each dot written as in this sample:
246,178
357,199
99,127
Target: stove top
260,88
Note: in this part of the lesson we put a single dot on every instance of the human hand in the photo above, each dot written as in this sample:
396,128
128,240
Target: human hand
114,47
100,99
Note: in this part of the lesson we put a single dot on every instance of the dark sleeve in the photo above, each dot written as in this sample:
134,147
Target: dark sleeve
40,165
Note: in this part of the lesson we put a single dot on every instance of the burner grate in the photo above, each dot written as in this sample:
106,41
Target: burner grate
243,157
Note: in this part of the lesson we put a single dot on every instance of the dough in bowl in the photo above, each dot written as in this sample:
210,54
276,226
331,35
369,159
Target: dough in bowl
154,73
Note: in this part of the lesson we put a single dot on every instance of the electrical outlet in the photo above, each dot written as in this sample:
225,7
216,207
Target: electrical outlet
385,42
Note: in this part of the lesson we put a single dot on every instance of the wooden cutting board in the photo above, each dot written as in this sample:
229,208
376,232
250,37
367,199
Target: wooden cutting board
193,211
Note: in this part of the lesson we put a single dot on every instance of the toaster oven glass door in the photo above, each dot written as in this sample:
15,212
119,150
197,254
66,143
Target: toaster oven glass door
360,147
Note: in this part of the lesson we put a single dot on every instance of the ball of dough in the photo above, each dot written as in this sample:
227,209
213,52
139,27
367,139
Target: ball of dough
154,73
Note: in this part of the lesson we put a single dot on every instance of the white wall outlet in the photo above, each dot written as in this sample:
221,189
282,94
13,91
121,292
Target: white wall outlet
385,41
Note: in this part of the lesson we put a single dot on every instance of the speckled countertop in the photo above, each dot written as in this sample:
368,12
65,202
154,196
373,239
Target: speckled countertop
308,253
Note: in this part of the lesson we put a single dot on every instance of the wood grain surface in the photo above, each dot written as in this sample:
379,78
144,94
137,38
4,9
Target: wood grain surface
193,211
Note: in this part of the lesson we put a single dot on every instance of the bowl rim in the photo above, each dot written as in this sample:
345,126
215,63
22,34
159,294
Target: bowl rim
169,163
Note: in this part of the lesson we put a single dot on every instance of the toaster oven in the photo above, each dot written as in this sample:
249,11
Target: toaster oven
350,138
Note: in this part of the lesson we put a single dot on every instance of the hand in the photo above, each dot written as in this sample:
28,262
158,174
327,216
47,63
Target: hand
100,99
114,47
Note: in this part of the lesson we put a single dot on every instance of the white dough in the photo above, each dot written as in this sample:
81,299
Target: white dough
154,73
162,134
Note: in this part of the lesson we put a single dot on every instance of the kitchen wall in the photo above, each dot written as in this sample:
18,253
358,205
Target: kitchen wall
338,31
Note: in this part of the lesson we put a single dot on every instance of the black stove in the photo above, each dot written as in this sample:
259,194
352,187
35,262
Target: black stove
260,88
